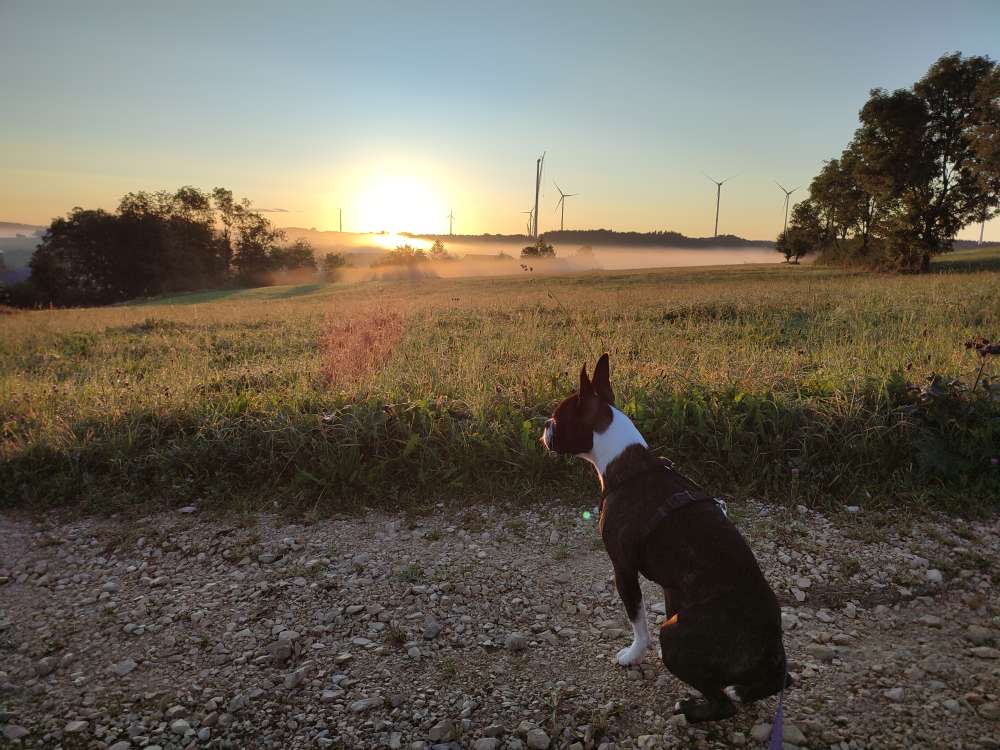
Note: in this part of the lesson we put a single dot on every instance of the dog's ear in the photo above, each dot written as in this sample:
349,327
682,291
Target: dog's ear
602,379
586,387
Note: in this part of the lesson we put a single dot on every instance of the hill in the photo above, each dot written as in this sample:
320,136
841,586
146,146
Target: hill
13,229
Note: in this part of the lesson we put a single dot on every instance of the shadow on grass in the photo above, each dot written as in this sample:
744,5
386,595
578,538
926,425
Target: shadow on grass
291,291
189,298
248,293
895,451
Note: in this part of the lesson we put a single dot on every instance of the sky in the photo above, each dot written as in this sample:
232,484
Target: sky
400,112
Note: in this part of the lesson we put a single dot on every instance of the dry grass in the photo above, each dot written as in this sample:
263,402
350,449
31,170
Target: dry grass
356,348
306,396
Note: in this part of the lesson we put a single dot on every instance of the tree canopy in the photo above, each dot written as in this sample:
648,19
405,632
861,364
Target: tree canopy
155,243
923,164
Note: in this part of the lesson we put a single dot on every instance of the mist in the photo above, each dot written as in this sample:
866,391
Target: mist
501,257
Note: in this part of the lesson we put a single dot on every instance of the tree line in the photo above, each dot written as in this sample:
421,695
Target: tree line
157,243
923,164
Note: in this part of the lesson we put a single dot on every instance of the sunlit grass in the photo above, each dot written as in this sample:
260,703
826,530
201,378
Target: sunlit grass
743,373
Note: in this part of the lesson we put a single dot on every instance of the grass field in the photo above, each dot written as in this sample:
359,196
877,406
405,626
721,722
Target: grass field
787,383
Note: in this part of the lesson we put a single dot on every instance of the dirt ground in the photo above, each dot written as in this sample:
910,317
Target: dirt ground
476,627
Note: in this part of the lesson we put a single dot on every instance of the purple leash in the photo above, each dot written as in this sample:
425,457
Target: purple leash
777,727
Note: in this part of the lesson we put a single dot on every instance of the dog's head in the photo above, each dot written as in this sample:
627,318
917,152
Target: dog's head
571,428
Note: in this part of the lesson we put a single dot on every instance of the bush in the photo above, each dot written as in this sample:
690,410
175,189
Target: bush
539,250
404,255
333,266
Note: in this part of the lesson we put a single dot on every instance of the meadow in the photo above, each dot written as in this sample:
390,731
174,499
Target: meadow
795,384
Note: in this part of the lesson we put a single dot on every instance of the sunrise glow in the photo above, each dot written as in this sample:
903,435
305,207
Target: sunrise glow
397,203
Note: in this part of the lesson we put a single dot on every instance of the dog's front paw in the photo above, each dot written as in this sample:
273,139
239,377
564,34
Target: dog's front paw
631,655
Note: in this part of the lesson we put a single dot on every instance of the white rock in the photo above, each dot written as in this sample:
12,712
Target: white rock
761,732
894,694
15,732
537,739
366,704
122,668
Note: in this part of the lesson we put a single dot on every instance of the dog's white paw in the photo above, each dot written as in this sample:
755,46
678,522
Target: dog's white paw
631,655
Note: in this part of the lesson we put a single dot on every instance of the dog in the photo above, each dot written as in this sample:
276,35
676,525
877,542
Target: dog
722,633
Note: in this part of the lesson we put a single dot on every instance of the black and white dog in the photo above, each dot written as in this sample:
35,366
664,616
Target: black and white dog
723,626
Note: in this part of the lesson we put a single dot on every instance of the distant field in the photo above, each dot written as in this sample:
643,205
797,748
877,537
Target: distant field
781,382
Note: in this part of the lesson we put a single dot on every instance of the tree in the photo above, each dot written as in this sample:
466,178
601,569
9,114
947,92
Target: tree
333,264
986,145
78,261
438,251
923,164
297,256
793,243
918,150
256,241
403,255
156,242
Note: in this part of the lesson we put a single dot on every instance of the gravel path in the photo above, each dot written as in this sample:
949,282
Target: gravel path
471,628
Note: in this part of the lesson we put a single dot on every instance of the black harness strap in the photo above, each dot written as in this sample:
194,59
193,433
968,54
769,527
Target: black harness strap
681,500
673,503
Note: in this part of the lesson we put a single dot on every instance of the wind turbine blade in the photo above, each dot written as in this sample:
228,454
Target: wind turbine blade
793,189
711,179
781,186
557,187
730,178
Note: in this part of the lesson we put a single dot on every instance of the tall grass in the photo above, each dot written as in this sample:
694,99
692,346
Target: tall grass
785,383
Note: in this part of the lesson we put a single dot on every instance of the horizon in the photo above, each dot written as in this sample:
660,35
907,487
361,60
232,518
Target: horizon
401,115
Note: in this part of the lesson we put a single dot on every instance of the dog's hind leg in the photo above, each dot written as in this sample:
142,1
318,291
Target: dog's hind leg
688,652
715,707
768,681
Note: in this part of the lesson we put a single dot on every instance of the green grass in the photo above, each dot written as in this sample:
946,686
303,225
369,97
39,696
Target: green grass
787,383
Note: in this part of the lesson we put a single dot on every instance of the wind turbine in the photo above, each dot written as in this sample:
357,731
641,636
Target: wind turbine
718,198
341,212
788,194
531,213
451,219
562,203
538,186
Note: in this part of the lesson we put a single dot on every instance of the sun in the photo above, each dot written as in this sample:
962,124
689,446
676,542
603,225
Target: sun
400,203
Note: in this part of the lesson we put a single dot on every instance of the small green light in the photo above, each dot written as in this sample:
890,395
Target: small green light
586,515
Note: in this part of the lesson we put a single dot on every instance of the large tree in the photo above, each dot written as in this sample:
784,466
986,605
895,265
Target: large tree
924,163
919,147
986,145
158,242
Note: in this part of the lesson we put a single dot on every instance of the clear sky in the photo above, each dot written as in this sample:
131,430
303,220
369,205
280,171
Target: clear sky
400,111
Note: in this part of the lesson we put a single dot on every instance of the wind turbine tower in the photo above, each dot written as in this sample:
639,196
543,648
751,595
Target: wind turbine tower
788,194
451,220
562,204
538,186
341,212
718,198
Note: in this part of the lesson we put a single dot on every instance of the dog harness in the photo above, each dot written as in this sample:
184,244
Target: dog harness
673,503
